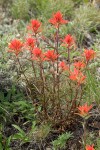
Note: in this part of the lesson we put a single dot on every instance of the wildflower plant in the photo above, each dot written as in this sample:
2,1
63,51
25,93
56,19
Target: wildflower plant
84,110
56,78
84,113
90,147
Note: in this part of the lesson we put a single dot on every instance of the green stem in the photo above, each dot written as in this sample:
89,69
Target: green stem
84,133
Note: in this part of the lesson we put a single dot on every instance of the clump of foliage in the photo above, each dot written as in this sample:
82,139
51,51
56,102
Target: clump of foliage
92,86
5,3
86,20
61,141
66,7
36,134
20,9
14,107
26,9
98,143
4,141
57,80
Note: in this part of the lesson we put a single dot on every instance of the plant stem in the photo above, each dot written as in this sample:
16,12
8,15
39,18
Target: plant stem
25,76
44,97
81,94
22,71
69,70
84,132
58,77
69,57
73,102
37,43
33,67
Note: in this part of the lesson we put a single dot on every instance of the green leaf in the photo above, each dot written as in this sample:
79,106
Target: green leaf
17,136
61,141
22,103
1,147
19,129
8,141
2,98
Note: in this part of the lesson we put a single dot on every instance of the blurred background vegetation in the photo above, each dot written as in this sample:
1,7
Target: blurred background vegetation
83,14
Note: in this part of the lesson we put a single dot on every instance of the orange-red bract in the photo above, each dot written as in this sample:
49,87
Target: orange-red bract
90,147
34,26
89,54
37,54
15,46
79,64
63,66
77,76
30,43
57,19
84,110
68,41
50,55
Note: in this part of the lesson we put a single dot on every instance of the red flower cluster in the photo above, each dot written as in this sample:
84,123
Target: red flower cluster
79,65
84,110
63,66
77,76
89,54
90,147
34,26
30,43
15,46
69,41
37,54
50,55
57,19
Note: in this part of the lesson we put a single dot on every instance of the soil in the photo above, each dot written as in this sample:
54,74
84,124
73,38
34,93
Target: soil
75,143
